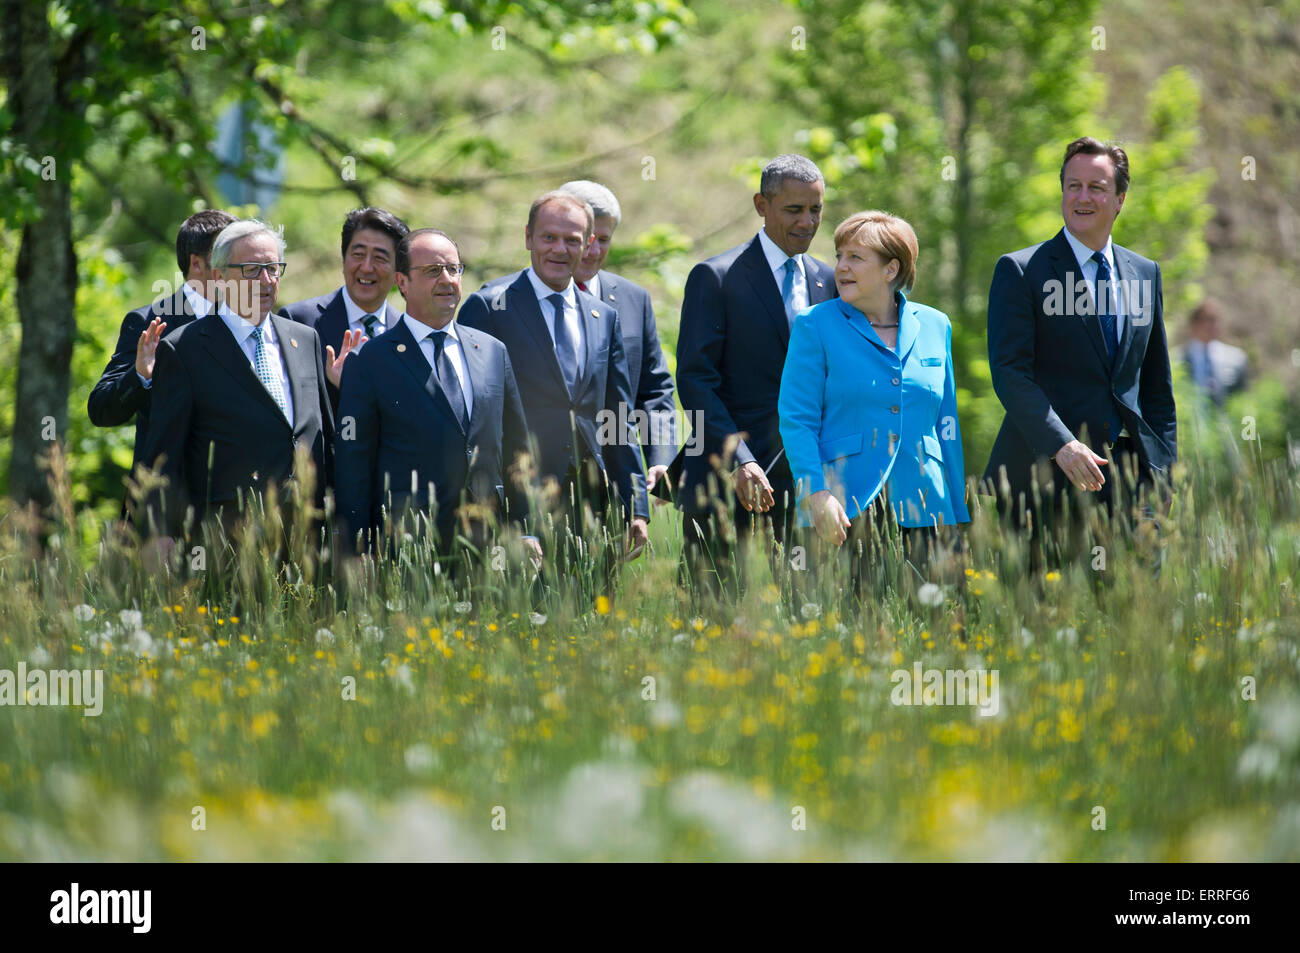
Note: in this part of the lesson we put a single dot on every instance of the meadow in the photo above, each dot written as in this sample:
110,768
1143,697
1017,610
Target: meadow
264,714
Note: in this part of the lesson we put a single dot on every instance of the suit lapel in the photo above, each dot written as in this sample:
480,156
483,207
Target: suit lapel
821,280
411,356
908,328
332,323
221,344
593,332
1068,275
523,301
299,362
1129,276
479,375
763,284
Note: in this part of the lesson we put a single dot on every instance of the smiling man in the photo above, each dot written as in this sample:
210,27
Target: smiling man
237,392
567,351
1079,357
735,328
360,307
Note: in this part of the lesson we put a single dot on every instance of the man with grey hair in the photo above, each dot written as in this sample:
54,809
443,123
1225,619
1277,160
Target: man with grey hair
736,318
647,370
237,392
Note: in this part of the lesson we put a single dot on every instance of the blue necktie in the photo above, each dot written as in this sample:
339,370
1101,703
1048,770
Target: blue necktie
1104,297
269,378
564,349
370,322
787,289
447,379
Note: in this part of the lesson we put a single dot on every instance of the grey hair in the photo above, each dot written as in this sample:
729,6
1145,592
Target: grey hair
602,201
236,231
788,166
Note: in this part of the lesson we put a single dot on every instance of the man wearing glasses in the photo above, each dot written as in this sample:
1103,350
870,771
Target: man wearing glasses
237,392
431,422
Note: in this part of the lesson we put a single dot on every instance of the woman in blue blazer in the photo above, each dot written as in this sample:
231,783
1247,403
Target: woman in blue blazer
868,401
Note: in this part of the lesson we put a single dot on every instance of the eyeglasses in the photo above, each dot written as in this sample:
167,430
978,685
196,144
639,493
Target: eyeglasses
251,269
433,271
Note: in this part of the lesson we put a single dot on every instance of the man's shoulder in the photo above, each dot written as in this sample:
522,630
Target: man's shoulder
476,337
296,330
1140,261
493,294
722,263
620,287
308,310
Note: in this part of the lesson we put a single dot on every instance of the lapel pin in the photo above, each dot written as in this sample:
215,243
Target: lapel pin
293,342
819,284
401,348
595,313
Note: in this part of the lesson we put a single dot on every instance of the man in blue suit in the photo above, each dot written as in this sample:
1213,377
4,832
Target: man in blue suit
124,389
430,406
1079,357
650,383
567,352
735,327
360,307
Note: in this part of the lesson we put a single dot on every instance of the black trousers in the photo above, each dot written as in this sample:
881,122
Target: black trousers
716,542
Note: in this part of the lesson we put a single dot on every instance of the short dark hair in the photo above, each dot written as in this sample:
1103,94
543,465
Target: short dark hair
197,234
381,220
1089,146
404,247
788,166
1207,310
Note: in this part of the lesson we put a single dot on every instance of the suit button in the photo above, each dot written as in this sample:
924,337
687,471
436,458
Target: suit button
895,382
894,409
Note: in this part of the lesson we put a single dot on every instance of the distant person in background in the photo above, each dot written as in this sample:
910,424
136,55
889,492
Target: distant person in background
360,307
124,389
647,370
1218,369
869,402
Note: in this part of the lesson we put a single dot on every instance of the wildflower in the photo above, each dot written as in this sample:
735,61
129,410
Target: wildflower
1025,638
39,657
537,618
419,759
83,613
131,618
811,610
930,595
602,605
141,643
1053,576
324,637
373,633
463,607
1068,635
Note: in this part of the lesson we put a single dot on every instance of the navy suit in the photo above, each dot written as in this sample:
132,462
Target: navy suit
511,313
1051,371
730,354
397,434
118,395
210,406
647,369
327,314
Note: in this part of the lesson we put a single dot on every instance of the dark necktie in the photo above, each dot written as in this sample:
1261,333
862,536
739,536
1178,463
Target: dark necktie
564,349
447,379
582,286
1104,296
370,322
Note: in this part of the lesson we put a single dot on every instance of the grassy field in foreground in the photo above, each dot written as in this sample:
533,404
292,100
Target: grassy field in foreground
636,729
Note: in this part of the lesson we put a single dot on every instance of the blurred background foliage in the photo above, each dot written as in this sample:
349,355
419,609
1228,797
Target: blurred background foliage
953,115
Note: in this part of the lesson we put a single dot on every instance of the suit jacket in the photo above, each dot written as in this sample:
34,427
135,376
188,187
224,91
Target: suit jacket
1050,367
397,434
511,313
118,395
857,416
731,350
209,403
327,314
1217,368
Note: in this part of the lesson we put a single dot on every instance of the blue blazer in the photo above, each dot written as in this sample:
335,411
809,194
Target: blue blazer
396,429
568,427
857,417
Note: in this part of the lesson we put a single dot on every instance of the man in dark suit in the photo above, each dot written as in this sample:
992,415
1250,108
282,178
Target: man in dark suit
360,307
736,318
1078,355
237,392
650,383
430,404
567,352
124,389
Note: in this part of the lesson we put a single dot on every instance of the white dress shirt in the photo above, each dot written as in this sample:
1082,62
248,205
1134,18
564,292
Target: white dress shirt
423,334
776,260
243,332
1088,268
572,320
593,286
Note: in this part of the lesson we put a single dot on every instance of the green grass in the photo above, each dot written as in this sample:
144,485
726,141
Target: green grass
1123,693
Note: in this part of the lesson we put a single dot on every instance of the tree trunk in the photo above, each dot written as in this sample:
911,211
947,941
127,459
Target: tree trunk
47,266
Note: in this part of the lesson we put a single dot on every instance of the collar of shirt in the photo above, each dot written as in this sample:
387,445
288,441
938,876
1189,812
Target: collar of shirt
242,328
356,312
1083,254
419,330
776,258
200,305
544,291
593,286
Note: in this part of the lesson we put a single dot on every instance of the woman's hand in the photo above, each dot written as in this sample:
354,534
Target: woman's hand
829,518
